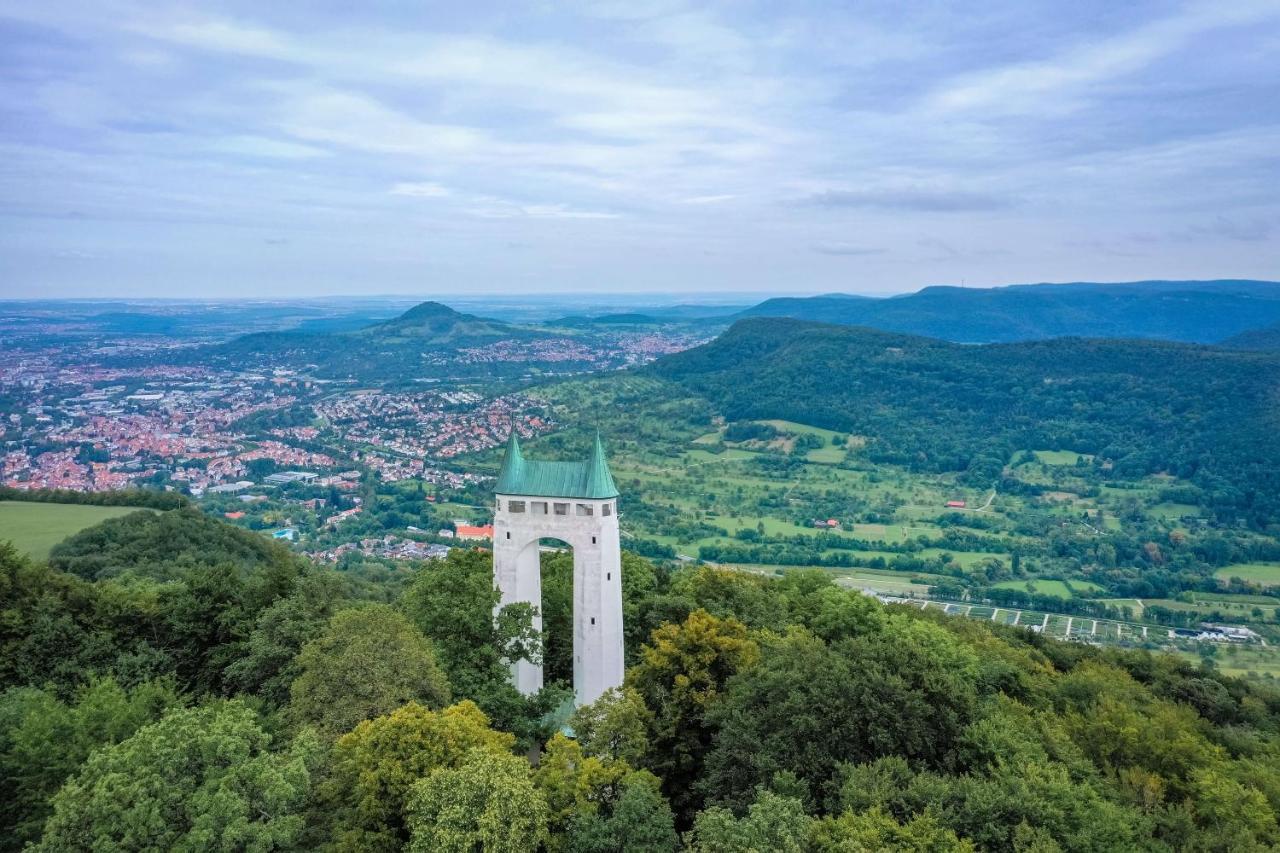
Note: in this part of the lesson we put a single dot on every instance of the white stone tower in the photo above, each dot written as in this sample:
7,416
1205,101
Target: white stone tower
576,502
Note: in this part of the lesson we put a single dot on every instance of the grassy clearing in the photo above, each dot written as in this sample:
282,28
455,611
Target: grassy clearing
1267,574
34,528
883,581
1235,610
1039,586
1242,661
1173,511
964,559
1060,457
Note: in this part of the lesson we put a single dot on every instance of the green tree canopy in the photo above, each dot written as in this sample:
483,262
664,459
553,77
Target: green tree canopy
43,741
369,661
198,779
373,769
681,675
488,803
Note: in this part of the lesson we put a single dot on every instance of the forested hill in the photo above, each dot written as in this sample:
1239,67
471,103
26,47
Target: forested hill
1195,311
1205,414
423,341
293,707
1265,338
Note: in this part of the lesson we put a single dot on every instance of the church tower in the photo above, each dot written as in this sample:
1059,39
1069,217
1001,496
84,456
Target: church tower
577,503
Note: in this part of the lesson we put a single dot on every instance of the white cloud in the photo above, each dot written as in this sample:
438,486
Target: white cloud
259,146
1041,86
421,189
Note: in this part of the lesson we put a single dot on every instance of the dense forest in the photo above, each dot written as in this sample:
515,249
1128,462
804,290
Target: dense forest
1198,311
172,683
1206,415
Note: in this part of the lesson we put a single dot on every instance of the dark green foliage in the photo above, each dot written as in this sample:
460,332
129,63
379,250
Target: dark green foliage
266,663
638,820
774,714
1202,311
163,546
127,497
44,740
909,690
1204,414
199,779
749,431
452,601
369,661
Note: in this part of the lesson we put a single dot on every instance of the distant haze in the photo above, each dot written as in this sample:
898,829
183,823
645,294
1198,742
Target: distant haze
265,150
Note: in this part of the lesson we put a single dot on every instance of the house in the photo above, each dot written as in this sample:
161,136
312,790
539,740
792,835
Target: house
955,504
468,531
234,516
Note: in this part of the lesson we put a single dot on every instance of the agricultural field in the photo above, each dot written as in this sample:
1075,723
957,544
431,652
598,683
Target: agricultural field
1039,586
34,528
884,582
1060,457
1255,662
1266,574
711,493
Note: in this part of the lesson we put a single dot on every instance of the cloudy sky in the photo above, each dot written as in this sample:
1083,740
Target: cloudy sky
285,149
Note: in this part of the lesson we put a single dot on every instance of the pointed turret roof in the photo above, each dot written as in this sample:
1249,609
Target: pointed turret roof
587,480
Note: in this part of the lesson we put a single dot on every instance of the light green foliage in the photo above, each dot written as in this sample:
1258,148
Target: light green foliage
681,675
773,824
487,803
34,528
202,779
43,741
365,796
874,831
614,726
988,807
813,600
369,661
573,784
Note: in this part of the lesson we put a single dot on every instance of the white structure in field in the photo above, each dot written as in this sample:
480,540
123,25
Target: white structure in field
575,502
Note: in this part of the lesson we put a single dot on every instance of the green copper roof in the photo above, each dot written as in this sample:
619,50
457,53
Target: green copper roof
589,480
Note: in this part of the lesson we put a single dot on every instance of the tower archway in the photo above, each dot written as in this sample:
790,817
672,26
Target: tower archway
575,502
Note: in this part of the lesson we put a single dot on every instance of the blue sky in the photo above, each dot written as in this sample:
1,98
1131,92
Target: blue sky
294,149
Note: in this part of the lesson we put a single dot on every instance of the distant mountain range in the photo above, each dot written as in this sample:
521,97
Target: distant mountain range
435,324
421,343
1194,311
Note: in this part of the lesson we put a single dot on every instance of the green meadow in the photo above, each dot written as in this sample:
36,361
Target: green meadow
34,528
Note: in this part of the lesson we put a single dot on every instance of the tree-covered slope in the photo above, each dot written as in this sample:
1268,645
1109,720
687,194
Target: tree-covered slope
1205,414
163,546
427,340
221,712
1265,338
1196,311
